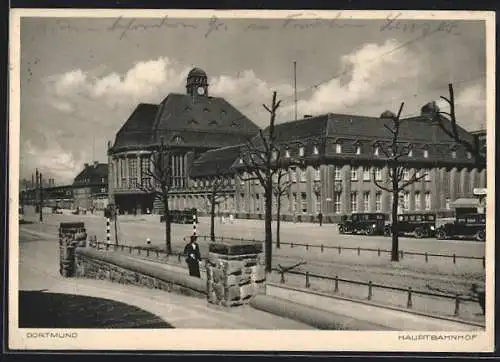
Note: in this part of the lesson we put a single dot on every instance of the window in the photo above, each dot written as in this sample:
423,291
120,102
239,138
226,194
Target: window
338,148
132,171
303,197
410,153
275,155
287,153
427,176
366,201
303,175
406,174
417,173
293,175
376,151
427,200
378,201
242,179
447,204
469,155
426,153
406,201
354,202
257,203
378,174
453,154
315,150
337,202
366,173
145,165
294,202
354,174
301,151
418,205
358,150
317,174
337,174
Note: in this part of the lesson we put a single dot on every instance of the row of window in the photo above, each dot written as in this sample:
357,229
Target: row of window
376,151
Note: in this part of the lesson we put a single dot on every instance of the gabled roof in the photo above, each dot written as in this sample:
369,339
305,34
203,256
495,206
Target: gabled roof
217,161
93,172
136,131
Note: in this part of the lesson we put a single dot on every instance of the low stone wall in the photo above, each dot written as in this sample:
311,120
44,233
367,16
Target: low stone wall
96,264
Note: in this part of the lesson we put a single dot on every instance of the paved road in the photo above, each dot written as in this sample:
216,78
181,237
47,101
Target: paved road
38,270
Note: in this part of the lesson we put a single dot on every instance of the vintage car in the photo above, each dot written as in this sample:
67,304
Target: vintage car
56,210
363,223
181,216
464,226
418,224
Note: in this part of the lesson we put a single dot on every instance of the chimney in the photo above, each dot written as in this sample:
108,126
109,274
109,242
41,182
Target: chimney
307,116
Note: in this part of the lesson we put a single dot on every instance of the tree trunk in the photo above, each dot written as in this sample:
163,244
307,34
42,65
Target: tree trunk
268,225
212,216
168,234
395,226
278,209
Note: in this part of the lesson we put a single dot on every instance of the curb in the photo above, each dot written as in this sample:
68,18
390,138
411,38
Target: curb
314,317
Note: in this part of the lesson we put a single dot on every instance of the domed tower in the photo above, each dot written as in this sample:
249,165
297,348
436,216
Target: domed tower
197,83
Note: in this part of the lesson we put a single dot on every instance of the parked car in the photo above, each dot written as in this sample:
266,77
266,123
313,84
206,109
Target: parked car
418,224
468,226
181,216
364,223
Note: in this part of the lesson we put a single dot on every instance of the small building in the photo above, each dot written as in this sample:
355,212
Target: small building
90,187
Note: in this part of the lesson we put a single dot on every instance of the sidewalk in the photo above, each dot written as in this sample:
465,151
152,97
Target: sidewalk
38,270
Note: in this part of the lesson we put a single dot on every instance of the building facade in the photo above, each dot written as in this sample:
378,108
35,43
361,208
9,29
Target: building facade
189,125
90,187
340,156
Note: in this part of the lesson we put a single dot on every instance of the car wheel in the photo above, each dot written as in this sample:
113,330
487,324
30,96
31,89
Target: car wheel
370,231
419,233
480,235
440,234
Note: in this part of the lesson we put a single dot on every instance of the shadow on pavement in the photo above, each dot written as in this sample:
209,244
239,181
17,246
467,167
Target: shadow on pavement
38,309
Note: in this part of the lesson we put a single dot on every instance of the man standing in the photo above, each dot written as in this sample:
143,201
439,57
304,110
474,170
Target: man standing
320,218
192,254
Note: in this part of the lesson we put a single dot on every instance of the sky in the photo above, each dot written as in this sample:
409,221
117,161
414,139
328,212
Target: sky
82,77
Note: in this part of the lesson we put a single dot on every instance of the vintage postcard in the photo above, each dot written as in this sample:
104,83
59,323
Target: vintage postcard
251,180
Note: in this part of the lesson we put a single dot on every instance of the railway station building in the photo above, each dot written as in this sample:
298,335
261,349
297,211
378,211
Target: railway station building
340,154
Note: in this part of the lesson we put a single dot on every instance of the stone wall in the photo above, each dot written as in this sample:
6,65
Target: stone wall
95,264
235,272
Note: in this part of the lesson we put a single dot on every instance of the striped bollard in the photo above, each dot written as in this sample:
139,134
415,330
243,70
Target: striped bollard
108,231
194,224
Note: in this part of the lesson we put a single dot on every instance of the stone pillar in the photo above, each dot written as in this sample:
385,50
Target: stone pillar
435,189
71,235
482,178
345,172
235,272
327,189
463,185
453,184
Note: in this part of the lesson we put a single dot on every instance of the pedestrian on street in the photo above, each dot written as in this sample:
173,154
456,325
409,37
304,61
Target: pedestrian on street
320,218
192,254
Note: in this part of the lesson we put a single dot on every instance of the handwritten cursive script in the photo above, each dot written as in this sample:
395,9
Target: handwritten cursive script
392,23
295,21
129,25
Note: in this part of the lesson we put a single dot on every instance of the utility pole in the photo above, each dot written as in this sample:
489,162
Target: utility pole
41,197
295,87
37,198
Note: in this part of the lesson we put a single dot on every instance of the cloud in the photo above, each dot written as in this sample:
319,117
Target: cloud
52,162
371,73
470,106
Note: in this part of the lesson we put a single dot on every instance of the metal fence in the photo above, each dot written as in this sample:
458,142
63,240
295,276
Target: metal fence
359,250
457,298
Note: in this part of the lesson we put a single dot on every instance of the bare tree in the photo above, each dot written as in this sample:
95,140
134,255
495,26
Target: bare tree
218,183
158,181
258,161
394,152
442,119
280,188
